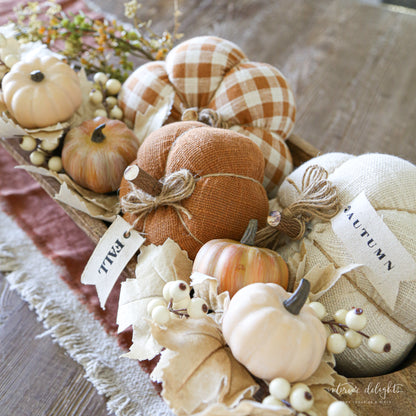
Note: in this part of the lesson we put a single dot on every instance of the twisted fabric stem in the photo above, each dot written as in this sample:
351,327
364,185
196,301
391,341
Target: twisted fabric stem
317,199
206,115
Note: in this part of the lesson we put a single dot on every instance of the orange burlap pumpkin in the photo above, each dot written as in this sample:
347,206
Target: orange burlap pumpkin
228,170
210,79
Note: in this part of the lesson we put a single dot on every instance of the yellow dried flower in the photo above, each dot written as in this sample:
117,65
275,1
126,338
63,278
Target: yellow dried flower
130,9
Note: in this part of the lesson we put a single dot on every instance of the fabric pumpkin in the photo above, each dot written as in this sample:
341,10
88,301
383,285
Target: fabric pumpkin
389,184
228,192
207,72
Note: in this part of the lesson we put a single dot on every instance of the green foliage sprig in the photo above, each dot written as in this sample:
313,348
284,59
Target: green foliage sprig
97,44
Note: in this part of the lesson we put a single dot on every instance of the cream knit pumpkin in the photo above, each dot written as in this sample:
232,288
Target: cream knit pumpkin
389,184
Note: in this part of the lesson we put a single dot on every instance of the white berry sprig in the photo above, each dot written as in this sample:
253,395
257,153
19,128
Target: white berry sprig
347,330
176,301
299,399
41,152
105,92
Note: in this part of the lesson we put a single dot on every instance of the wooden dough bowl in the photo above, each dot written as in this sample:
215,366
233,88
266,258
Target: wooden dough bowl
393,393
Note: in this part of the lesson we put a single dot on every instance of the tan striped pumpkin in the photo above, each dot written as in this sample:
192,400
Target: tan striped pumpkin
211,78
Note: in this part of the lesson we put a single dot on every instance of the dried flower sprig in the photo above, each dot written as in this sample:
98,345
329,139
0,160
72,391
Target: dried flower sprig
97,44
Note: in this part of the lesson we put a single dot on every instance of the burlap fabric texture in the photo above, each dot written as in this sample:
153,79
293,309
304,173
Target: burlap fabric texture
228,171
390,185
208,72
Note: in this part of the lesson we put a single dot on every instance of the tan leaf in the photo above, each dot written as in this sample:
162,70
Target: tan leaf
201,370
101,206
156,265
206,287
245,408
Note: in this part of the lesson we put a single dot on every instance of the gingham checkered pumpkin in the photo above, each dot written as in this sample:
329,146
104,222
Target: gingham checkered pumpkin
208,72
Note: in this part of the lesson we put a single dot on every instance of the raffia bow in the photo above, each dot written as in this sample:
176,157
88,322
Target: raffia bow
317,199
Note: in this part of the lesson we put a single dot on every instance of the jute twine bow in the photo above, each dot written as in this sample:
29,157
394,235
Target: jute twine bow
317,199
206,115
176,187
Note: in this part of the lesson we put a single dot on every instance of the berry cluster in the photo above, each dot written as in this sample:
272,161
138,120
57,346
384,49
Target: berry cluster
300,399
176,301
350,323
42,152
105,91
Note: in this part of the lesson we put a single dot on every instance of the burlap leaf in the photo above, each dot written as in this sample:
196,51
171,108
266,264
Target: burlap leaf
201,371
206,287
321,278
156,265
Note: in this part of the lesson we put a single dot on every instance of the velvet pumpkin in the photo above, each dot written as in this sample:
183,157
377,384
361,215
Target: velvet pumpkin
213,79
236,264
273,333
41,92
228,170
96,153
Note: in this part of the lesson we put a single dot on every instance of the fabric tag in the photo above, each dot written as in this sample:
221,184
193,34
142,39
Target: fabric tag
371,243
111,255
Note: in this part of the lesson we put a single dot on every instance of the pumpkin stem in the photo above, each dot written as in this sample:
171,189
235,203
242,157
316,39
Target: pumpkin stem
295,303
37,76
97,134
250,233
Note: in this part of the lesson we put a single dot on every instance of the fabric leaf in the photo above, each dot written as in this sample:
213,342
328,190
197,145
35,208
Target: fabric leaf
198,368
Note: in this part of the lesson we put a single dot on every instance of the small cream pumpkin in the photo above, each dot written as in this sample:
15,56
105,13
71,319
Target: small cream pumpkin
272,333
41,92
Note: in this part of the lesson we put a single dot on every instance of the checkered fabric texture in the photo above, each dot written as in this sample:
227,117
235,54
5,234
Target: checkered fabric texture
209,72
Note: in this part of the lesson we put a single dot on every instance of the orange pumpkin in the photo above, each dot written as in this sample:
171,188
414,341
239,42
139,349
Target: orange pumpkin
236,264
228,170
96,153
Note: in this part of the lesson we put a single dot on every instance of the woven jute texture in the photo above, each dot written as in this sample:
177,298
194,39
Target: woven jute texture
390,185
228,171
208,72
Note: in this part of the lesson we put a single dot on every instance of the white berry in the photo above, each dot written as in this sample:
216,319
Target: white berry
100,78
378,343
301,398
37,158
179,290
354,339
340,316
116,113
28,143
153,303
55,163
197,308
166,290
111,101
160,315
100,112
279,388
336,343
181,304
272,401
48,145
10,60
339,408
113,86
95,96
319,309
355,319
